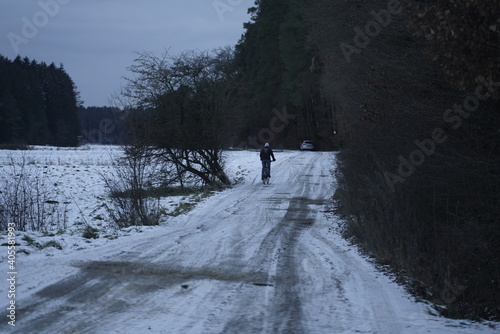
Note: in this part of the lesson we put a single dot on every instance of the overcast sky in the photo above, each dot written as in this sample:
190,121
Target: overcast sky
95,40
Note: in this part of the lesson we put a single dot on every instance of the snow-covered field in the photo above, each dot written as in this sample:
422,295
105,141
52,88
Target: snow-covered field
74,178
251,259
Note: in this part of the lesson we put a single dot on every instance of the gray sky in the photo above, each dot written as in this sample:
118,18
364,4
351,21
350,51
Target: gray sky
95,40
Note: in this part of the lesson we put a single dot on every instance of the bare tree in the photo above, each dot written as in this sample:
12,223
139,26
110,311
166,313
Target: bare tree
192,97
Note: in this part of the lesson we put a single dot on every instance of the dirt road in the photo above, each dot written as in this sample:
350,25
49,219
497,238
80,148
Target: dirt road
253,259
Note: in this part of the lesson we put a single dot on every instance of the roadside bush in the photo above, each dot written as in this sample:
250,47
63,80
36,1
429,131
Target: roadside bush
134,173
90,232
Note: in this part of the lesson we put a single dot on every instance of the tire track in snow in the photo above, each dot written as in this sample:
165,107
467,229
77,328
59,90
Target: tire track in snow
98,297
281,310
378,305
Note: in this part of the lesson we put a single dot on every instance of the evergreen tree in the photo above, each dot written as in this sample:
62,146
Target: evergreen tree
274,57
10,120
38,104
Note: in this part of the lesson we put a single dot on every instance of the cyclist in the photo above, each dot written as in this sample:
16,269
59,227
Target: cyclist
265,156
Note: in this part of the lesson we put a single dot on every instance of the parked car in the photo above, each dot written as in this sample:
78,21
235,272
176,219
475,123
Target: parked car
307,145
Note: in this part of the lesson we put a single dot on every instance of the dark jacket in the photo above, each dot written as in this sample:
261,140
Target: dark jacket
266,154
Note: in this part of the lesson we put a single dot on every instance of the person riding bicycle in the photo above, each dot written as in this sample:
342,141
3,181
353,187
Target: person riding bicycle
265,156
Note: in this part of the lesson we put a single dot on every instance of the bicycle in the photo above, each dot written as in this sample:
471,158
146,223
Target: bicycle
266,171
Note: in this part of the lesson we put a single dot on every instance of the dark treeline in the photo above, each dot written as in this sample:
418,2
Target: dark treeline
102,125
281,98
38,104
414,85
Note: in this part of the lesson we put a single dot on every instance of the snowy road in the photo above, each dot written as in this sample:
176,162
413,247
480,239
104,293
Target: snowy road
252,259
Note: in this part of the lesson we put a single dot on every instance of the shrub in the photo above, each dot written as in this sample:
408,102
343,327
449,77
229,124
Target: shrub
27,198
90,232
128,187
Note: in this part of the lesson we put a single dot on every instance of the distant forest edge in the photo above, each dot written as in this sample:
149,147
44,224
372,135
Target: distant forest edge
102,125
38,104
